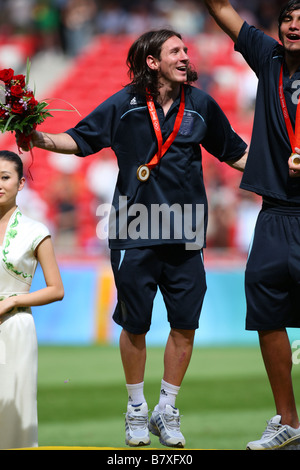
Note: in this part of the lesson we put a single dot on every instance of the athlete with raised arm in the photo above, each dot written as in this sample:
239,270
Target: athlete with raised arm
272,279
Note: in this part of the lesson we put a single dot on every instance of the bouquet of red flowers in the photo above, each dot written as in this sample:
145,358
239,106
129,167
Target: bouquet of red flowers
19,110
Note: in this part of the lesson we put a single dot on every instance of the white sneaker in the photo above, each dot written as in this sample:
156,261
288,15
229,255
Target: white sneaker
166,425
275,436
136,425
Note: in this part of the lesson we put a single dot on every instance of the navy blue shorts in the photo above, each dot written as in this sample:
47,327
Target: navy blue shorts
177,272
272,278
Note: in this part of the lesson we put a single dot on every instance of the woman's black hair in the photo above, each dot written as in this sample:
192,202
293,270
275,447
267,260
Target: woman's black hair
150,43
14,158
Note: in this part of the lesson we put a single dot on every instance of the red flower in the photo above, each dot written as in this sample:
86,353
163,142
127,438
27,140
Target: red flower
32,103
20,112
6,75
16,90
17,108
19,80
29,94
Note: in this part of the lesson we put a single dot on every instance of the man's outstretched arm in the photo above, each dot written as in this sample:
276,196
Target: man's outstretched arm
225,16
60,143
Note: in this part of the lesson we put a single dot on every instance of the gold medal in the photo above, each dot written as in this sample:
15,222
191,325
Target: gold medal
143,173
295,158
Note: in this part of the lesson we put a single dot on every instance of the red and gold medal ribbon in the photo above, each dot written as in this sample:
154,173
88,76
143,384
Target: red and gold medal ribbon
163,147
294,136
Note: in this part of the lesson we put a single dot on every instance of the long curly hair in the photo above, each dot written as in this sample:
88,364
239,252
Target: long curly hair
141,76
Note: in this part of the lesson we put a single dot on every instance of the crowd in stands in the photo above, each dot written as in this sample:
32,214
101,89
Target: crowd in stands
69,25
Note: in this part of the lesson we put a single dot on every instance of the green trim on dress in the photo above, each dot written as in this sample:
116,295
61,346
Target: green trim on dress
11,233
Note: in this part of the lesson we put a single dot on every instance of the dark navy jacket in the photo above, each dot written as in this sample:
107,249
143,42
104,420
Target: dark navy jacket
266,170
123,123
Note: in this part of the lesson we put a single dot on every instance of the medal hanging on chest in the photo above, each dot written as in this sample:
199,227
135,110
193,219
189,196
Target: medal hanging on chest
294,136
143,172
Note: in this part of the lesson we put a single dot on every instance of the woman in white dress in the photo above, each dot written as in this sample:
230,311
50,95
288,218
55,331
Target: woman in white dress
23,243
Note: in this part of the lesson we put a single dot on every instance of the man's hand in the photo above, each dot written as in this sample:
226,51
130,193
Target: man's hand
294,168
35,141
60,143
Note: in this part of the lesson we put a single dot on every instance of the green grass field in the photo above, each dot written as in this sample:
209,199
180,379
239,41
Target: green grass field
225,399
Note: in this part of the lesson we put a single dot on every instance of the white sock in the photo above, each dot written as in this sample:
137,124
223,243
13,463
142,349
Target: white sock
168,394
135,393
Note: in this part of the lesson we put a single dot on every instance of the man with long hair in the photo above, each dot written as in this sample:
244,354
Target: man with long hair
272,272
155,126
